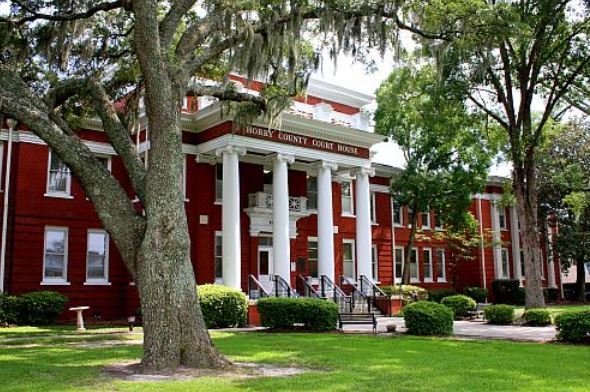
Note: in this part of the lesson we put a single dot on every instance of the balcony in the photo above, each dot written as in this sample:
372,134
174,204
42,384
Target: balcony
260,212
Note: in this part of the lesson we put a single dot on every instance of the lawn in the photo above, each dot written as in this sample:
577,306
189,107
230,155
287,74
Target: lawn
336,362
556,309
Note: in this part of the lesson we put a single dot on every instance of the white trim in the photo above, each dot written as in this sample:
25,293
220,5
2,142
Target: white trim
444,265
98,281
56,280
351,212
429,225
218,233
379,188
373,211
314,239
353,252
501,275
431,269
67,194
413,279
401,215
375,249
398,279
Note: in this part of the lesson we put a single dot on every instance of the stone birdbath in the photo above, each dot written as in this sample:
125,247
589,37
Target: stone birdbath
80,318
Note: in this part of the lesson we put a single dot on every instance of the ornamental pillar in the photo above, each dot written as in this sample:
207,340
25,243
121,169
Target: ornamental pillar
280,216
363,223
325,220
230,217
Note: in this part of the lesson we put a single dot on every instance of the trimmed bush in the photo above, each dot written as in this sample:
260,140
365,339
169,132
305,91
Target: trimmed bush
40,307
573,327
223,307
537,317
9,309
408,292
508,291
438,295
288,313
459,304
479,294
428,319
499,314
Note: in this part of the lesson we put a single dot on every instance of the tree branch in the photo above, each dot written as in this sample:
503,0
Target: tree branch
169,24
35,15
226,94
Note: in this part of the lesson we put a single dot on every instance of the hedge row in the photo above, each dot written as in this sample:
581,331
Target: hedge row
34,308
289,313
537,317
408,292
508,291
222,306
573,327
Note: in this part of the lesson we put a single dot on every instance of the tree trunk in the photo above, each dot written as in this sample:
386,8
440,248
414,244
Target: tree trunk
408,251
580,281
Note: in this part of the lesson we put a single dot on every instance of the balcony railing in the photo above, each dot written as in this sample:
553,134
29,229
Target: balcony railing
264,200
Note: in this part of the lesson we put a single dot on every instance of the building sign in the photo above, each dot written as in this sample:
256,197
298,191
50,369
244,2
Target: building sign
303,141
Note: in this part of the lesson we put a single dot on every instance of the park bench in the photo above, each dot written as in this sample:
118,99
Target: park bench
478,311
357,318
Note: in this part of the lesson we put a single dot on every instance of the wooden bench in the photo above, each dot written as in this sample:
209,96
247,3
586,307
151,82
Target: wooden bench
478,312
357,318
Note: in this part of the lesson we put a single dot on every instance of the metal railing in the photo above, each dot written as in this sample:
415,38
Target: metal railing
305,288
331,291
281,288
369,288
361,303
255,289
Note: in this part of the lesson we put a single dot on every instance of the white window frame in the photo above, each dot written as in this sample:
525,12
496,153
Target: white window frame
428,224
100,281
67,194
218,184
51,280
353,253
401,215
504,251
375,262
373,208
502,212
317,260
398,279
351,212
307,193
412,278
218,234
430,268
440,279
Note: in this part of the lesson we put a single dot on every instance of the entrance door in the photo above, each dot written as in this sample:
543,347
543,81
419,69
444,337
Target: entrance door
265,266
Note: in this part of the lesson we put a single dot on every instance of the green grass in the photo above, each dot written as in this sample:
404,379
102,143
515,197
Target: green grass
336,362
556,309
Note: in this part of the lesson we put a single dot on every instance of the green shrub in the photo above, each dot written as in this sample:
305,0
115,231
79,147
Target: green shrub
479,294
428,318
9,309
439,294
459,304
223,307
499,314
40,307
408,292
508,291
573,327
287,313
537,317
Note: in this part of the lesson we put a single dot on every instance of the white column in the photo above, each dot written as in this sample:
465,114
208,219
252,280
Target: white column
280,216
496,238
325,220
363,223
230,217
515,239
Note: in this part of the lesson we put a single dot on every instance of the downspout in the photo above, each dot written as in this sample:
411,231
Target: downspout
11,123
481,244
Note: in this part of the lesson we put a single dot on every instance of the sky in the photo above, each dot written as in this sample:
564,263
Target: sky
353,75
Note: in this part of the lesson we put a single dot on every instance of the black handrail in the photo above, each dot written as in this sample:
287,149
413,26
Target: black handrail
282,288
370,288
360,301
305,288
329,290
256,289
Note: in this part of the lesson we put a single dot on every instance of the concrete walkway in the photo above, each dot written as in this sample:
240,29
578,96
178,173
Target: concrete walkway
470,329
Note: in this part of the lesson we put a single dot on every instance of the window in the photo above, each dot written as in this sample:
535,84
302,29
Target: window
375,262
348,259
410,212
438,221
59,179
55,259
373,210
399,263
427,261
504,266
502,218
425,219
398,219
346,189
312,257
218,182
414,270
97,257
218,259
441,273
312,193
